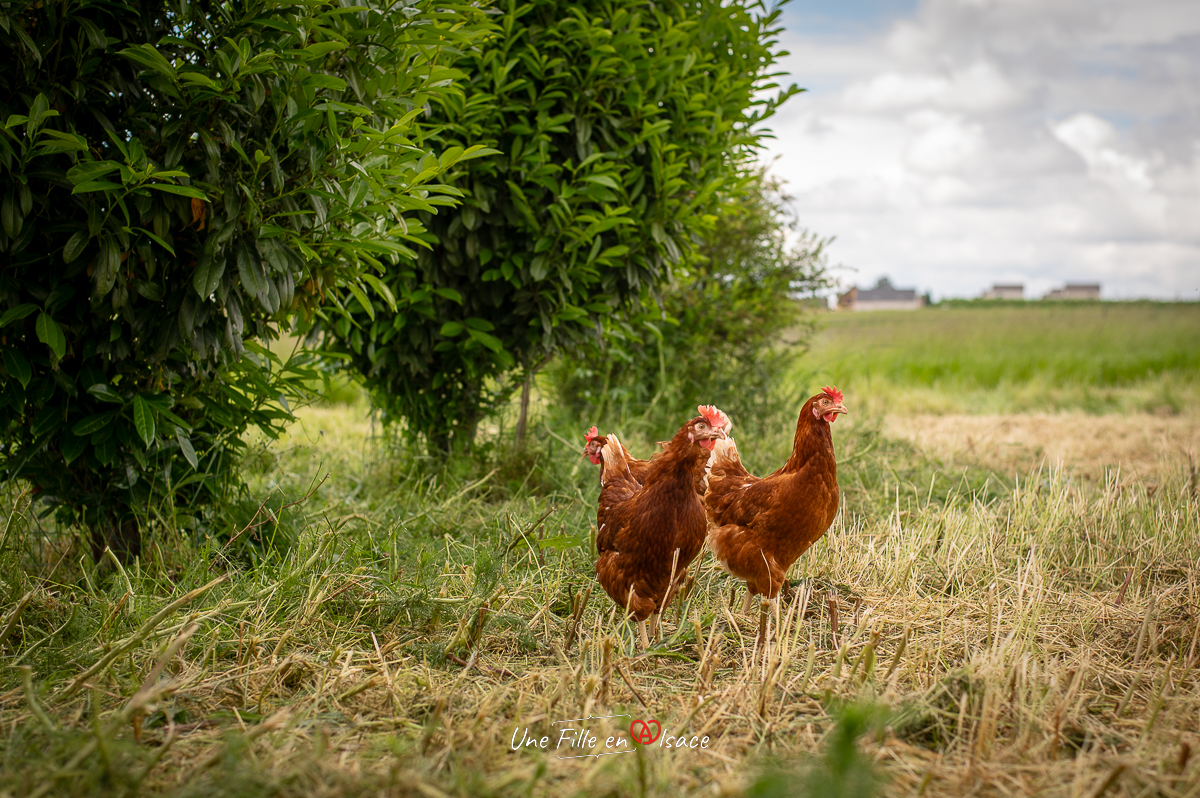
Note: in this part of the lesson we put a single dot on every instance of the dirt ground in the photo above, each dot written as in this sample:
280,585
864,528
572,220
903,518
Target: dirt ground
1143,445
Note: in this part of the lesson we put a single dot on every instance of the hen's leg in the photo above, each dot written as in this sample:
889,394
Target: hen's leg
640,608
760,641
754,587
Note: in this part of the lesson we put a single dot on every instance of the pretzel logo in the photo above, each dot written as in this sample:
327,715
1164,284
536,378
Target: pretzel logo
640,731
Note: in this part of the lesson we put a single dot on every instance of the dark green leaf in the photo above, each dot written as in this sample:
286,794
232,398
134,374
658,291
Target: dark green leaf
49,333
108,261
75,245
183,191
382,290
95,35
17,365
96,185
208,274
143,420
93,423
147,56
15,314
105,393
106,450
362,300
185,446
323,48
156,240
88,171
325,82
490,341
603,180
71,446
47,420
250,269
10,217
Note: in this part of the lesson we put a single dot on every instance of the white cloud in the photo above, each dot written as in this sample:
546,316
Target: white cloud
978,87
975,141
944,143
893,90
982,87
947,189
1094,140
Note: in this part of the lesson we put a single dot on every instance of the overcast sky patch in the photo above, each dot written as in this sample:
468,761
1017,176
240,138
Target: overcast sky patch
951,144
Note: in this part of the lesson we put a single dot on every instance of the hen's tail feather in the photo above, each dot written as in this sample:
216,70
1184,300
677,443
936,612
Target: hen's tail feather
615,463
708,468
725,449
725,454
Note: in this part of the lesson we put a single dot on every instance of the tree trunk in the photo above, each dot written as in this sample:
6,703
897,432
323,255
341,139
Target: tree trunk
523,418
464,433
452,438
122,535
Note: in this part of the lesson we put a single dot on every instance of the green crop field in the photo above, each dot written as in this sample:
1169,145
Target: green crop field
373,622
1006,357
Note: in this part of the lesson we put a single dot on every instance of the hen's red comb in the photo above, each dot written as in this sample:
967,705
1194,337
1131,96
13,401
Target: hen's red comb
591,435
715,417
832,393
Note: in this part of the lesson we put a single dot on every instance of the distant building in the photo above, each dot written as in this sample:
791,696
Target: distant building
1076,291
1008,291
882,297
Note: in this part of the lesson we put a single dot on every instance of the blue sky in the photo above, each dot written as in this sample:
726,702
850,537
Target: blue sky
950,144
826,18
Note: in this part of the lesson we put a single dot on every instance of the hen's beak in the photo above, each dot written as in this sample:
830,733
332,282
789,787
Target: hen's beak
703,438
830,415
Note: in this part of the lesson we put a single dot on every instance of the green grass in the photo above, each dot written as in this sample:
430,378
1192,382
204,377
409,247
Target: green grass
387,634
1008,357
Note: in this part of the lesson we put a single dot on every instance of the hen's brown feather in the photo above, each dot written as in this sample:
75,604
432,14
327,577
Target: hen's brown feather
760,526
639,527
639,468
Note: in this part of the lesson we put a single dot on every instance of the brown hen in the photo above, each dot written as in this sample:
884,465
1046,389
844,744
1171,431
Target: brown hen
760,526
646,531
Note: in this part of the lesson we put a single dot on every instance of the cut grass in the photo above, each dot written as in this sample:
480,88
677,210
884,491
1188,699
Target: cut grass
1089,446
1029,638
1026,632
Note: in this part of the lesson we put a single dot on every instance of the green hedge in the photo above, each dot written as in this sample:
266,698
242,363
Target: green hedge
179,180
